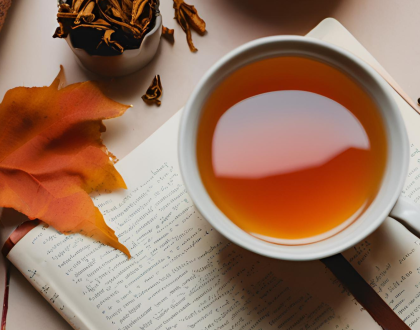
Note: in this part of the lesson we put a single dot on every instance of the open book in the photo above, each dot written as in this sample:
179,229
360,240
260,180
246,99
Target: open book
185,275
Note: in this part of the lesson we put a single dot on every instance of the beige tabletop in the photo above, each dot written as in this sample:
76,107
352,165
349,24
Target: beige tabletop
29,56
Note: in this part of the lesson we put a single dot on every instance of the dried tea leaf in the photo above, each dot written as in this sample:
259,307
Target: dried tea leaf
187,16
52,156
66,15
154,92
167,31
196,22
86,13
109,42
65,18
88,16
168,34
118,11
77,4
186,27
138,6
64,8
59,32
65,21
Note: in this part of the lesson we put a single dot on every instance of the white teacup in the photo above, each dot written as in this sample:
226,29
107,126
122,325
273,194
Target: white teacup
388,200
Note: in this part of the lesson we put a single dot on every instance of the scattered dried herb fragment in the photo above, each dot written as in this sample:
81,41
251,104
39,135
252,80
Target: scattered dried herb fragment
187,16
154,92
168,34
166,31
105,27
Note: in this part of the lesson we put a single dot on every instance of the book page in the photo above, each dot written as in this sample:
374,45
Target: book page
182,274
389,260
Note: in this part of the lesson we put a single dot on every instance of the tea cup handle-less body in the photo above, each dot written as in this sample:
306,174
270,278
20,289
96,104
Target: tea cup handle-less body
388,201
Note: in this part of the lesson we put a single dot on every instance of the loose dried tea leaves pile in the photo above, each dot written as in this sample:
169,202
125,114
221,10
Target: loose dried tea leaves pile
52,156
187,16
106,27
154,92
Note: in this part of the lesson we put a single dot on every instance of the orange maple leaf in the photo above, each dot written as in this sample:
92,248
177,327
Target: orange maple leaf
52,156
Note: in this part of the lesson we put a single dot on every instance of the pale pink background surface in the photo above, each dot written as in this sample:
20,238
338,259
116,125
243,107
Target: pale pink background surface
29,56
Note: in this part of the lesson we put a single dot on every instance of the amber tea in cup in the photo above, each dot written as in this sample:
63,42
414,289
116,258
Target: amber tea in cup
291,149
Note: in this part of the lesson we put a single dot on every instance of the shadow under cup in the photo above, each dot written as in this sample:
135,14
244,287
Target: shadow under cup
293,148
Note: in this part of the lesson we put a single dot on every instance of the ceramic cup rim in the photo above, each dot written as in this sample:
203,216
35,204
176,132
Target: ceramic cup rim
365,76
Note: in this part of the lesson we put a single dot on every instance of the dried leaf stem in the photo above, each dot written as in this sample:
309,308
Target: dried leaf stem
187,16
